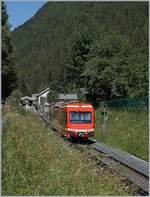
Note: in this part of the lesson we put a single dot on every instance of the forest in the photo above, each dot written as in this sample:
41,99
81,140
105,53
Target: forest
101,47
9,71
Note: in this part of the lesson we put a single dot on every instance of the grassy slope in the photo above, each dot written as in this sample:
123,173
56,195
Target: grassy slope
126,131
36,163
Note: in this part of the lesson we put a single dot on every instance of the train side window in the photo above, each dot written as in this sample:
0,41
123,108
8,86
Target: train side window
63,119
55,114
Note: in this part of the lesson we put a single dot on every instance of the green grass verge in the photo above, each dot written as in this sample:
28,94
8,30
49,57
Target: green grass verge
34,162
127,131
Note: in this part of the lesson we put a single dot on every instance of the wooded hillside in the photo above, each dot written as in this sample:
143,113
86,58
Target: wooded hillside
102,47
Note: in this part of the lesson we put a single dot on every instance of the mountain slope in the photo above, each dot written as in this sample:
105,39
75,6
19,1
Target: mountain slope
43,43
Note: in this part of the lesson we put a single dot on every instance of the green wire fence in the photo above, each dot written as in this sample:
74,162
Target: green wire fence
135,104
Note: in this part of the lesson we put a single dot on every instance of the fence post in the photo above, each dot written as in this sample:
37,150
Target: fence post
103,120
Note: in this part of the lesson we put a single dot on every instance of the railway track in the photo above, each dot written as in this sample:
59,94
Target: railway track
133,169
132,174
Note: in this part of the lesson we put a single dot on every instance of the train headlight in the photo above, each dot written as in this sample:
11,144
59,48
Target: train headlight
67,129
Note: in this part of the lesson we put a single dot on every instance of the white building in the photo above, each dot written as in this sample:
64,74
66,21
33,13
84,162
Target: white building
68,97
42,96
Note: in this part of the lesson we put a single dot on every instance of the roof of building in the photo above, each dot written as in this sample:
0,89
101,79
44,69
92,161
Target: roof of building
26,98
34,95
46,90
68,96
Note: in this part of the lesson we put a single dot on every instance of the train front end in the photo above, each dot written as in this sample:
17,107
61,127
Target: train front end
80,121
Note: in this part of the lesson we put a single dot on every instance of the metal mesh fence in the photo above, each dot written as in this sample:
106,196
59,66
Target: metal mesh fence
135,104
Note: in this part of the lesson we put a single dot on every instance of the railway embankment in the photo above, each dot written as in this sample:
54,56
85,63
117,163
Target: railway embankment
36,162
123,130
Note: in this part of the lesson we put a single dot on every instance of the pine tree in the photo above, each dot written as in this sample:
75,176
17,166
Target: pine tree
9,77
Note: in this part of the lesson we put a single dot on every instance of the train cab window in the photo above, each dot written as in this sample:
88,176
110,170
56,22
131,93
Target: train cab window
80,117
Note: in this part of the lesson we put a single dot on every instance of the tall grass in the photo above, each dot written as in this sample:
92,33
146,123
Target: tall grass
34,162
127,131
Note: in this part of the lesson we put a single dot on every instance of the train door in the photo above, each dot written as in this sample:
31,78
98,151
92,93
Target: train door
63,120
55,119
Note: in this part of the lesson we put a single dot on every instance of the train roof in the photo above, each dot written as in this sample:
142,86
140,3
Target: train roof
77,104
69,105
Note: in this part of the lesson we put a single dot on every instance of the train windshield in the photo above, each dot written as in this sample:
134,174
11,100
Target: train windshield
80,117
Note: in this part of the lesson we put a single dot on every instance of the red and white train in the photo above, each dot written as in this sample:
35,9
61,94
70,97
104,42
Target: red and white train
73,120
